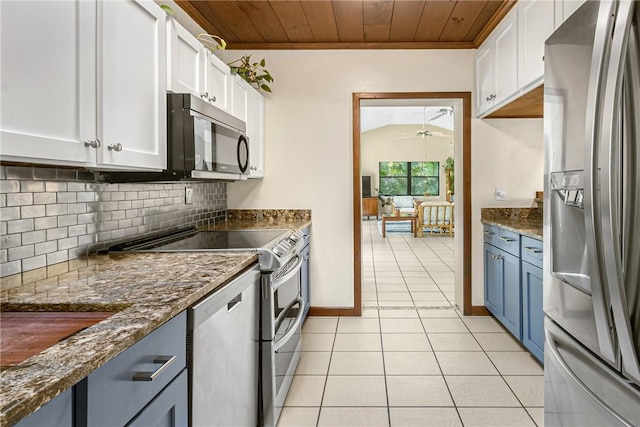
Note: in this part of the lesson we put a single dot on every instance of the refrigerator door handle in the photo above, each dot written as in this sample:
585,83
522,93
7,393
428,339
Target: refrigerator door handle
597,80
551,341
610,189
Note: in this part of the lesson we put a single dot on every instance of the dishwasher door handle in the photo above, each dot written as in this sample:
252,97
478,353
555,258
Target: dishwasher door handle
285,338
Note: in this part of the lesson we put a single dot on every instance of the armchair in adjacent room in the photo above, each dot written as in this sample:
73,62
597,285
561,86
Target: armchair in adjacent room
404,204
435,217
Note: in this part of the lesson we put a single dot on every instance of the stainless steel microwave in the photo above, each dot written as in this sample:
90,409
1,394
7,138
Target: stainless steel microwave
203,142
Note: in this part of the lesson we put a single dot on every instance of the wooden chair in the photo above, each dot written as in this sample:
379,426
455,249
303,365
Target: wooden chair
436,218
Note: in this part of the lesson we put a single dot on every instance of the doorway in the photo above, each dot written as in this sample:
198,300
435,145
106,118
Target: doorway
461,102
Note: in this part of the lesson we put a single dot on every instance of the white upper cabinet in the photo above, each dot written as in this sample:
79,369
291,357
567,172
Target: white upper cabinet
186,60
506,58
485,79
564,9
47,81
255,132
83,83
218,82
497,66
132,101
535,25
239,94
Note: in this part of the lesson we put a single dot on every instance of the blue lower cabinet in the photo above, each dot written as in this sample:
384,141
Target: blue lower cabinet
58,412
532,313
168,409
512,311
493,280
502,287
513,285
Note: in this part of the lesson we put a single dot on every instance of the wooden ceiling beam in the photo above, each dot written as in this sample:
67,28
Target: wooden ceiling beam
377,20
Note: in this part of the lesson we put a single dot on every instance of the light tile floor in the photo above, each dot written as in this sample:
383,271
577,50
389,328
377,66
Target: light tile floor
412,359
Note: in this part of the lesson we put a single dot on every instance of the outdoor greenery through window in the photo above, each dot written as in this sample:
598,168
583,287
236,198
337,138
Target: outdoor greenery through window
409,178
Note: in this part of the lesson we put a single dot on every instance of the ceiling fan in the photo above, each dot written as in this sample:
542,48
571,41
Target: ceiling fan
423,132
444,111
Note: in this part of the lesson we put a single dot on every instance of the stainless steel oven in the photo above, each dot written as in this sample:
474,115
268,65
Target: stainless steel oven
282,314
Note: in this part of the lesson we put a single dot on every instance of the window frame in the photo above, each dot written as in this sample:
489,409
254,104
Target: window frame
409,177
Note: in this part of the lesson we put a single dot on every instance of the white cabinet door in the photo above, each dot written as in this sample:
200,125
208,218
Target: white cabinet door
218,82
255,132
239,94
535,25
47,81
564,9
506,58
485,78
186,58
131,85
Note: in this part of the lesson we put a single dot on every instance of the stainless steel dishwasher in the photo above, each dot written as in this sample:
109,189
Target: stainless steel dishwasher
224,354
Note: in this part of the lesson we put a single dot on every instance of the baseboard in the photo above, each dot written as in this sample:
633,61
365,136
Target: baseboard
479,310
329,311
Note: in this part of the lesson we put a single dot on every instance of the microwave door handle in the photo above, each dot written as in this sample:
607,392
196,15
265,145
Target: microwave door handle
285,338
610,189
597,77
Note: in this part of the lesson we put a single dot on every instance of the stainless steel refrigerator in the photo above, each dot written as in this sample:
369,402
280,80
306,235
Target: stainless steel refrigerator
592,217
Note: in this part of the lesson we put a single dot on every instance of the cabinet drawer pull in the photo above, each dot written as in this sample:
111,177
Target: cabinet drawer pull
115,147
506,239
489,233
212,99
497,257
533,250
150,376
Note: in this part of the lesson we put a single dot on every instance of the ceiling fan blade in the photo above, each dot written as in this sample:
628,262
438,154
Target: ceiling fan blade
437,116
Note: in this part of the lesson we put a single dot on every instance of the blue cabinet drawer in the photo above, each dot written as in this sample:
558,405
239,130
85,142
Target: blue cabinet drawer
532,251
491,234
532,313
117,391
509,241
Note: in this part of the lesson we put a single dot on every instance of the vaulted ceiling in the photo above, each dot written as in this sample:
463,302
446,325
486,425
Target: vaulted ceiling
348,24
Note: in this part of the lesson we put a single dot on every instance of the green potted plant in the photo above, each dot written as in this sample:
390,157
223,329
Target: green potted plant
449,167
253,73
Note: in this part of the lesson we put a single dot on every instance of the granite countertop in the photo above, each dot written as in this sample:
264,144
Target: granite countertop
525,227
526,221
143,289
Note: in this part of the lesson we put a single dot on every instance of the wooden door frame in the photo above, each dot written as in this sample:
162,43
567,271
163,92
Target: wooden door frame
465,97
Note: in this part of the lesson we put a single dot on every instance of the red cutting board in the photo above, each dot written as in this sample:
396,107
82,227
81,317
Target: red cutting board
24,334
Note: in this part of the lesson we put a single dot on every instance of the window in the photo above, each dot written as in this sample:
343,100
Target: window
409,178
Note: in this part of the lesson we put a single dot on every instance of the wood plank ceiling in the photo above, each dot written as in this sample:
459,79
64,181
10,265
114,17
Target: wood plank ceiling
348,24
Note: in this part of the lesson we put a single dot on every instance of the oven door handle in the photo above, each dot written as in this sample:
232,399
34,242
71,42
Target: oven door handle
276,283
285,338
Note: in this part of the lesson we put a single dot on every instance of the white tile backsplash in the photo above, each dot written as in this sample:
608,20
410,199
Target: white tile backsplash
50,215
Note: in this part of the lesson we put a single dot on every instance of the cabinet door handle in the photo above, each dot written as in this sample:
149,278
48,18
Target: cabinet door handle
165,361
533,250
93,143
204,95
506,239
115,147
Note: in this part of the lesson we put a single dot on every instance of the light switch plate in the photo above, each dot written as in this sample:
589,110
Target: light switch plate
188,196
500,194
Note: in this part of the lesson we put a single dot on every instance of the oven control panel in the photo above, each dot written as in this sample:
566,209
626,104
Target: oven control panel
288,243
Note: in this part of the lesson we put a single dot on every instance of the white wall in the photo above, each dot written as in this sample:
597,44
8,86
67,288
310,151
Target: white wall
308,154
399,143
506,153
